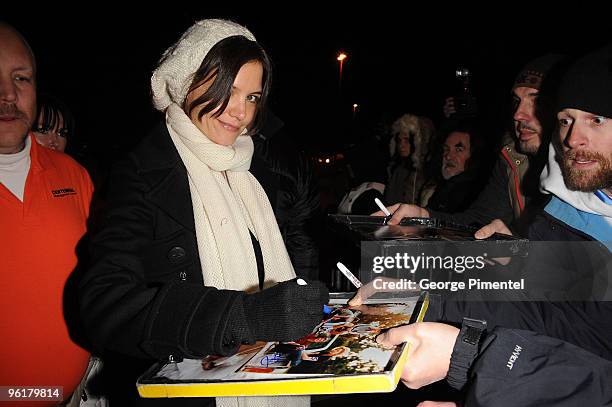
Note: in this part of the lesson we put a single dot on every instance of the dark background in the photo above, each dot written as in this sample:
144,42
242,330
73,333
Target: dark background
98,57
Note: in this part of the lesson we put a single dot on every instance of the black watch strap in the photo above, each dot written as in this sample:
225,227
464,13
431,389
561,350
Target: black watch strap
465,351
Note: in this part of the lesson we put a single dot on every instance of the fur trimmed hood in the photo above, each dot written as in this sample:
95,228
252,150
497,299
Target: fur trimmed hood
422,131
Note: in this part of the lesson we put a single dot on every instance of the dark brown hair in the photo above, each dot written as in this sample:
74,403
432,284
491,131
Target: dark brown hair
223,62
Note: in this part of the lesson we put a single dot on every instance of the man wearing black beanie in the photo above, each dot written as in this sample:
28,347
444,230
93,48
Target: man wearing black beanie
585,125
542,353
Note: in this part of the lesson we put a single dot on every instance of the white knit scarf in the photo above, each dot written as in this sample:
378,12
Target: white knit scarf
228,201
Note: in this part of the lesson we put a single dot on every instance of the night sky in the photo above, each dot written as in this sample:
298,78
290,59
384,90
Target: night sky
99,59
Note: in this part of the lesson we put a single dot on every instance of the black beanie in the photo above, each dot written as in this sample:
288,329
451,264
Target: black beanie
533,73
587,85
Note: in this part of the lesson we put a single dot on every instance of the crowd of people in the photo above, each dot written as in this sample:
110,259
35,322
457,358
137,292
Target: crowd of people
207,223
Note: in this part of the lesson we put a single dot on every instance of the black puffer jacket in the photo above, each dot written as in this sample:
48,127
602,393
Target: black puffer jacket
556,353
523,368
585,323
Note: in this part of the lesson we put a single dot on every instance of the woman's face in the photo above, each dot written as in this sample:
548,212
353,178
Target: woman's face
403,144
54,138
240,111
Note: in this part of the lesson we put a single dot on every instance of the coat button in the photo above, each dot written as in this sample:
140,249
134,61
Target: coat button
183,275
518,162
176,254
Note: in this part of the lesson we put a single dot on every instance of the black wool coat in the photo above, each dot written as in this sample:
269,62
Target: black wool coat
144,295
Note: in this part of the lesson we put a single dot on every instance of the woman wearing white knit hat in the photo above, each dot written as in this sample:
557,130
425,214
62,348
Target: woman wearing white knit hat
191,261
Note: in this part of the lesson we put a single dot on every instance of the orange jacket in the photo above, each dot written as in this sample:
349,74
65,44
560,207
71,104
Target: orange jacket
38,238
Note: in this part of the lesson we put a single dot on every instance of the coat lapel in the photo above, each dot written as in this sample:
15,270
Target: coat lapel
173,197
162,167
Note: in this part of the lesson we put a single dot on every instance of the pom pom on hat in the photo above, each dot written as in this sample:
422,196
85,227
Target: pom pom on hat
587,84
173,76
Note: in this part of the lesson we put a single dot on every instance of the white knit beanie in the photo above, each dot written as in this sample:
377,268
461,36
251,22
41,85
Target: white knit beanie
171,80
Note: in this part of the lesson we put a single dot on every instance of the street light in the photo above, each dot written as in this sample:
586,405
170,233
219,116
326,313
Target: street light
341,57
355,106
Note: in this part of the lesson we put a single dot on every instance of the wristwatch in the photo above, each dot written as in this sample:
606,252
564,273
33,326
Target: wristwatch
465,351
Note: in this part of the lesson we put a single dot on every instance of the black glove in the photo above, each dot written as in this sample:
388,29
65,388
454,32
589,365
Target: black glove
286,311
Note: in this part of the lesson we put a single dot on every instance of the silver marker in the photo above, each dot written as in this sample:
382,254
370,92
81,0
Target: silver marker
382,207
347,273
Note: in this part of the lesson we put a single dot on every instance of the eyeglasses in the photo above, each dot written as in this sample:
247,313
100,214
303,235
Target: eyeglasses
63,132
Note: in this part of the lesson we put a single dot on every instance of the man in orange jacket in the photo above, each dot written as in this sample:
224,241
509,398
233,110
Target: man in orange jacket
44,205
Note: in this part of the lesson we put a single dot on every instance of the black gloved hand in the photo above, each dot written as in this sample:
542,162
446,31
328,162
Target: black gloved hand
286,311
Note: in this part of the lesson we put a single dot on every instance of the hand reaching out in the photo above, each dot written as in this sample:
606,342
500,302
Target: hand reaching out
431,346
496,226
367,290
401,211
449,108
